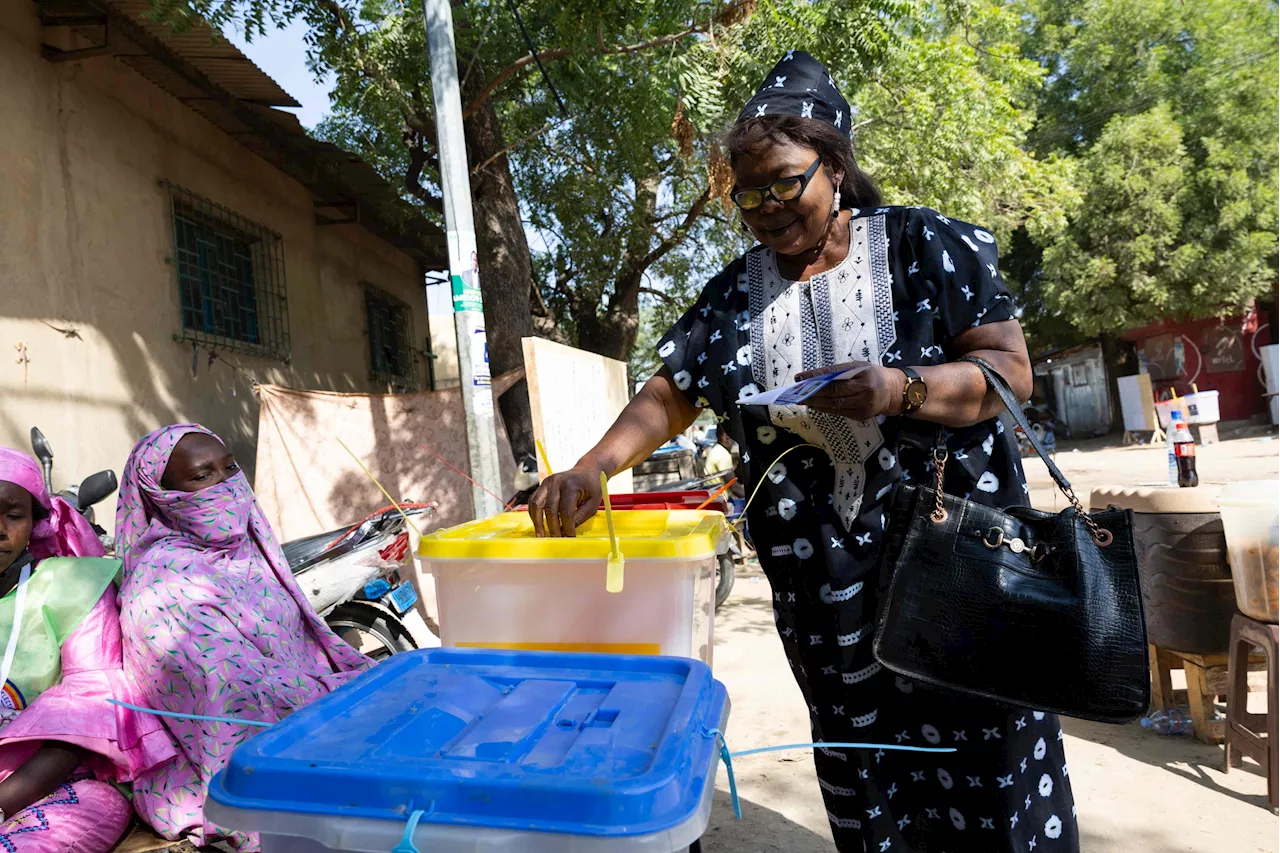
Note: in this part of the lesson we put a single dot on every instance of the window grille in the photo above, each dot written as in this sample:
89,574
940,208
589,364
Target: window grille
389,323
231,283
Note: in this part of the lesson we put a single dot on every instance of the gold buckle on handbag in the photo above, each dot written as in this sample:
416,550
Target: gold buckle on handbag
995,538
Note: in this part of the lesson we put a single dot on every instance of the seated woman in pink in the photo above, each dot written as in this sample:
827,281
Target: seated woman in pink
214,623
61,743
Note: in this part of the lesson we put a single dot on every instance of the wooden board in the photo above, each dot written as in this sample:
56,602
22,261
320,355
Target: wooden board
1137,405
143,840
574,396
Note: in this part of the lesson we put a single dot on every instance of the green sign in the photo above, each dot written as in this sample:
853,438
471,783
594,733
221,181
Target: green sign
466,295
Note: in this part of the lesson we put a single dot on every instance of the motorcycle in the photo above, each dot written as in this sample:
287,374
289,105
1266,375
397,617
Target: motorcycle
83,495
353,578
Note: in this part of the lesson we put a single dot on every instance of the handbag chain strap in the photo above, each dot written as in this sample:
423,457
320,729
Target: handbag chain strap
1100,535
940,463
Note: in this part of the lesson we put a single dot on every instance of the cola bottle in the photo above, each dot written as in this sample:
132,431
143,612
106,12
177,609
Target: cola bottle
1184,452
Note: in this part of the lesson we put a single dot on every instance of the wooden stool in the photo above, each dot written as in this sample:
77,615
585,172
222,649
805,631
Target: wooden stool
1206,679
1245,732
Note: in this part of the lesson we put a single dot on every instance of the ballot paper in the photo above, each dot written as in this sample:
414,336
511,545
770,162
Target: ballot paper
794,395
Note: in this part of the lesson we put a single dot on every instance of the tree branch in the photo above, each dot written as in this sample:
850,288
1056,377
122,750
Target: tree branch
676,237
419,154
540,309
529,138
665,297
561,52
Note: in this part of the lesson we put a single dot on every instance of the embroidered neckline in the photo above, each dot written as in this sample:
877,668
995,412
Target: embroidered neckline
771,259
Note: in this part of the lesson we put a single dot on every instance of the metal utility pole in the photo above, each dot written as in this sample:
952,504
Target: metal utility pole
464,273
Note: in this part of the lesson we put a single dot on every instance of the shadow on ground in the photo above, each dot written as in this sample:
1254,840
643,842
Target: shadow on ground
761,830
741,613
1182,756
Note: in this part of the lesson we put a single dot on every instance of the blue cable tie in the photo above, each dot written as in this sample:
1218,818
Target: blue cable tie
833,745
232,720
406,844
727,757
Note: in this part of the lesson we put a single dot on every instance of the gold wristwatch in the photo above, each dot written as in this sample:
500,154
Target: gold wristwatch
914,392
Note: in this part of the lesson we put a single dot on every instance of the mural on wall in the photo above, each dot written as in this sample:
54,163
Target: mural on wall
1161,356
1223,350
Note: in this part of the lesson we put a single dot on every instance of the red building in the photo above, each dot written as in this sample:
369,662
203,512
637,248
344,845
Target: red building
1218,354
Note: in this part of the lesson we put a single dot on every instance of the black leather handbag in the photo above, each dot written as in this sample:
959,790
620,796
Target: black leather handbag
1019,606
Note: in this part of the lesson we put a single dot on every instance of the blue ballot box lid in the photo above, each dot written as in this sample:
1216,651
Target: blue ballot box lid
595,745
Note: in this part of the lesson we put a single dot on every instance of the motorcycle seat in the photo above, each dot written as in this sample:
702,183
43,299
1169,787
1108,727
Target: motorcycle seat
301,552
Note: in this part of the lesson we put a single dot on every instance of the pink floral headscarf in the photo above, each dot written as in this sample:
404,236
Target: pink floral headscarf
146,512
210,528
64,532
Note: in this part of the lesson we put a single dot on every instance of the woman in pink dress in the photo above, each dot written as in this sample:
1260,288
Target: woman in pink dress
61,744
214,623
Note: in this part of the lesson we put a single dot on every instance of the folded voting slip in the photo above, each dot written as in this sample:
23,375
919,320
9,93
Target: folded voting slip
794,395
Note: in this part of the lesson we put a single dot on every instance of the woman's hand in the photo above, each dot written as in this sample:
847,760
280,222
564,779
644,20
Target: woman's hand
872,391
564,501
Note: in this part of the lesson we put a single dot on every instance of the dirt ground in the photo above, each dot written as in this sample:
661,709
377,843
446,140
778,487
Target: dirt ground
1136,792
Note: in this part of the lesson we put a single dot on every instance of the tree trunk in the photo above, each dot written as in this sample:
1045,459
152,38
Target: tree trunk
614,334
1119,359
506,269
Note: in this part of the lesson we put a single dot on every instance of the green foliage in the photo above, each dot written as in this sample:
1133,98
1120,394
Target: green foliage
945,119
1170,111
1116,260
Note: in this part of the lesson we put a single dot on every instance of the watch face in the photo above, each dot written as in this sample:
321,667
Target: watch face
916,394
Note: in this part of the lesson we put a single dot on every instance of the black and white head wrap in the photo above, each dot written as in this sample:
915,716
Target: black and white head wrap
799,85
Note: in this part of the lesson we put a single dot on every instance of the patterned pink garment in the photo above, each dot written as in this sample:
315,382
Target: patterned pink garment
82,815
213,624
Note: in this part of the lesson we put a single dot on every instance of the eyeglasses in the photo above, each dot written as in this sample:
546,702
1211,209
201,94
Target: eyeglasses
783,189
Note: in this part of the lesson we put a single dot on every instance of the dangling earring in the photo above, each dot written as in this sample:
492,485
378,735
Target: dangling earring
835,203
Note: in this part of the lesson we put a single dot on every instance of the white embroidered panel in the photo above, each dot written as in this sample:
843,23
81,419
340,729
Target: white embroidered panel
844,314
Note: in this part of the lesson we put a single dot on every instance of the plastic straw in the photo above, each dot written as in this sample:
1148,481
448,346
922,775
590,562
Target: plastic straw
385,493
717,493
613,574
546,463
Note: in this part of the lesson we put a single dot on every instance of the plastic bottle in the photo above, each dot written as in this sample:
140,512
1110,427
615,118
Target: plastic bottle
1171,722
1175,418
1184,452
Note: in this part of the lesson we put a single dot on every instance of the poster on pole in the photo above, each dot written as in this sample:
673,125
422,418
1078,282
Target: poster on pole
574,397
466,287
480,375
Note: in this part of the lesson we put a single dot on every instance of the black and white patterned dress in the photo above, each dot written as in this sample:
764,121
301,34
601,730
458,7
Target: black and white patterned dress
913,280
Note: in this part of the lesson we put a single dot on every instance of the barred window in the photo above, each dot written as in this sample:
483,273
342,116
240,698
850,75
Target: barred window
231,284
389,323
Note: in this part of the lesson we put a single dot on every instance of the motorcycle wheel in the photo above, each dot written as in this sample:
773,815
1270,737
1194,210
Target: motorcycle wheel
370,629
724,578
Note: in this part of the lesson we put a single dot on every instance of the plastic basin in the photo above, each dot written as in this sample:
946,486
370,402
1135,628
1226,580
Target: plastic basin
1251,522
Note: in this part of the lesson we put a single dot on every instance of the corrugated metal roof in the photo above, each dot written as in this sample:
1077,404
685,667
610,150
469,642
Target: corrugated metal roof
206,49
